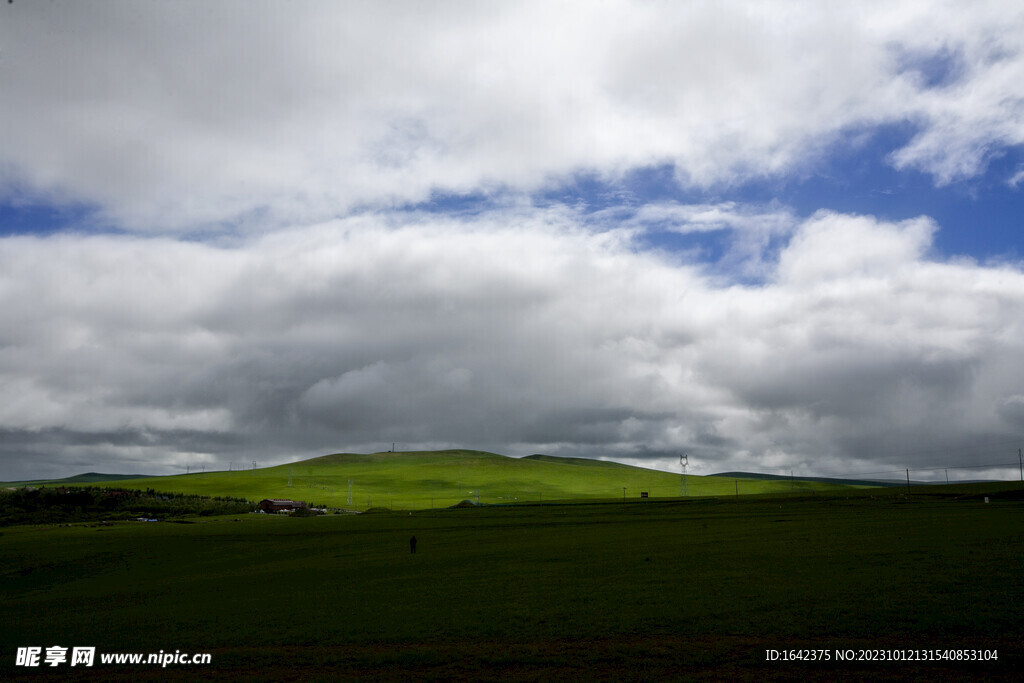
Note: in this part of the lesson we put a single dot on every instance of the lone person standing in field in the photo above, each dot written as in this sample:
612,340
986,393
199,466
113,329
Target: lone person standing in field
412,545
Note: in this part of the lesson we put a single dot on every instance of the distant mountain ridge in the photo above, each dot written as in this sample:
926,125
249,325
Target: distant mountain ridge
86,478
823,480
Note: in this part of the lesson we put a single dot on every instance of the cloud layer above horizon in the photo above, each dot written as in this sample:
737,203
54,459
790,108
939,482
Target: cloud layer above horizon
518,334
264,256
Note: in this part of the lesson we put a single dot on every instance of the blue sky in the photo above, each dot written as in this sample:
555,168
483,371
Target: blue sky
776,236
979,218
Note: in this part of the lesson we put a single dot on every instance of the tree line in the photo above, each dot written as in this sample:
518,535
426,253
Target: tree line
63,504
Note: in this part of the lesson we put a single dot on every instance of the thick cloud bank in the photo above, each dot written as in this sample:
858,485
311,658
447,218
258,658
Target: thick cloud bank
517,331
183,115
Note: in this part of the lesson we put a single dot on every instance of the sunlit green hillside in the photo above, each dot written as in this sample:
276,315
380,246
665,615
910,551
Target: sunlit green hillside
424,479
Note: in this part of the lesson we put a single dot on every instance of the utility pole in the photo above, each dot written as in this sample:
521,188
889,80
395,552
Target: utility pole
908,481
1021,462
623,494
684,461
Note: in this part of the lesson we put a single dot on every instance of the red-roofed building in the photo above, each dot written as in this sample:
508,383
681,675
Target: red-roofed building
281,505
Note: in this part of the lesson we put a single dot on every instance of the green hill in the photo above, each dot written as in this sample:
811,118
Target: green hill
87,478
424,479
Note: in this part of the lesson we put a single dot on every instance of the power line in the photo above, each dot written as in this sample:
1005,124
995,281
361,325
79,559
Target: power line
961,467
921,469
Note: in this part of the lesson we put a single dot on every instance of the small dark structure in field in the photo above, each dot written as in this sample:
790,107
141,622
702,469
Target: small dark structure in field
412,545
281,505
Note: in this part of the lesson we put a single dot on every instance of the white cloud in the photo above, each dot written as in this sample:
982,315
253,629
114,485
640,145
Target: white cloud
517,331
835,246
1017,179
970,120
176,116
336,321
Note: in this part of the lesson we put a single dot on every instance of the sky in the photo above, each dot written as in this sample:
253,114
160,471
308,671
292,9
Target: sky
775,236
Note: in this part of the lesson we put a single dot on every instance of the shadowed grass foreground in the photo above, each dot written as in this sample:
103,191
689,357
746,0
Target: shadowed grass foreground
607,591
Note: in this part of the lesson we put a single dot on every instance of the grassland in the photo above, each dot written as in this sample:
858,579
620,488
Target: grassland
627,591
434,479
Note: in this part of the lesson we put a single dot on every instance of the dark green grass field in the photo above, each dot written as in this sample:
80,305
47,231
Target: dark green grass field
636,591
